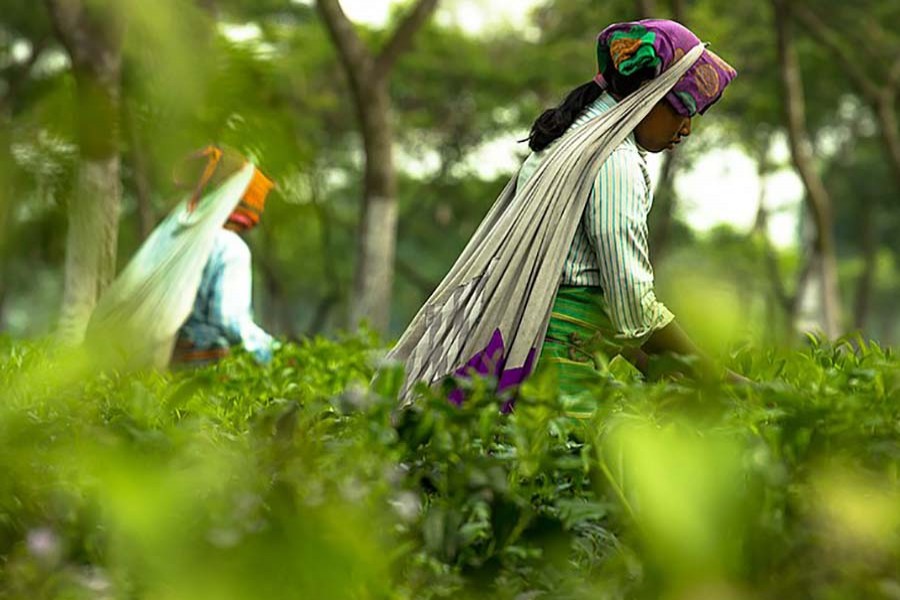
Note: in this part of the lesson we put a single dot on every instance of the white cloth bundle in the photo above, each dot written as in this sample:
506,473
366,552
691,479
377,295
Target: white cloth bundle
138,316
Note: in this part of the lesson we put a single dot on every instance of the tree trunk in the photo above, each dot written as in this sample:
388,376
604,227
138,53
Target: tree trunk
761,229
869,237
374,275
92,40
679,11
817,197
369,75
91,242
887,120
780,303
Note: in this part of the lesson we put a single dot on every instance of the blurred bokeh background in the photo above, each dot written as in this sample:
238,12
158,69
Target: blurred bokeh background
779,215
399,122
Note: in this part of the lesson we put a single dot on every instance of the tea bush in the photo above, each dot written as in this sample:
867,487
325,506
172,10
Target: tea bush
302,480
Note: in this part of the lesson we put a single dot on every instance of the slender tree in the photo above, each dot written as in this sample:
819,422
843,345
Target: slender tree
92,37
368,74
817,198
787,302
868,236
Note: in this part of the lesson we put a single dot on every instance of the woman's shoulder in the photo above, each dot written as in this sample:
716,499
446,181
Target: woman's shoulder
626,163
627,154
230,246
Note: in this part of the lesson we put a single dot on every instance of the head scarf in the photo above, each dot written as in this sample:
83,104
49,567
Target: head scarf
246,214
656,44
220,163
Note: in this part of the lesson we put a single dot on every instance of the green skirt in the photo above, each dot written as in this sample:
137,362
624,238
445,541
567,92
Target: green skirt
579,333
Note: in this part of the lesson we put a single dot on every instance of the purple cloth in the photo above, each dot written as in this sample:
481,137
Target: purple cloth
492,362
657,43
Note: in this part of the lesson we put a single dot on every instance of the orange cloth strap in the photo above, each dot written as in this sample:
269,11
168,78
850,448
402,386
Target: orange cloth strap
214,155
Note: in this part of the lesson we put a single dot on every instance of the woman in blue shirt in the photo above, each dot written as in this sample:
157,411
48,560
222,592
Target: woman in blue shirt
222,316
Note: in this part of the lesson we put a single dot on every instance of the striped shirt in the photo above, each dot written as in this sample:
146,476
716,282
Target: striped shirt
222,315
610,248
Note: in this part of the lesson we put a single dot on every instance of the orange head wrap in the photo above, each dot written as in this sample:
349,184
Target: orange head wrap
252,204
221,163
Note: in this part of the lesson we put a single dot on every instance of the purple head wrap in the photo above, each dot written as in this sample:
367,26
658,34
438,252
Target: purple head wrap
656,44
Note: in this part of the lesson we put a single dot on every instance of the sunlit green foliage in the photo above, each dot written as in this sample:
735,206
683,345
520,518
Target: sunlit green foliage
299,481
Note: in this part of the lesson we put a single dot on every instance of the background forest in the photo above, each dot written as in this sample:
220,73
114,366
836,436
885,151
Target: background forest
409,131
389,129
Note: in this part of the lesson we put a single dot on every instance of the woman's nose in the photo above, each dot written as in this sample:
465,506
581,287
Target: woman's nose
686,128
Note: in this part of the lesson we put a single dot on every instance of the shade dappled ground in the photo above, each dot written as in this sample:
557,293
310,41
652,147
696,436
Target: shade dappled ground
301,481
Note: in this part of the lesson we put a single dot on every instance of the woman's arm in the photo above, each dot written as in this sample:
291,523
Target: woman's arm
672,338
233,312
616,223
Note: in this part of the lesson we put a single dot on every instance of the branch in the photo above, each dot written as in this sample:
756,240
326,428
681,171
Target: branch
92,40
881,99
825,36
66,19
403,36
358,61
872,30
893,78
70,25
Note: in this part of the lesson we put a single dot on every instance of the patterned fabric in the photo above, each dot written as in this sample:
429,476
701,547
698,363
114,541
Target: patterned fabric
579,330
222,315
187,354
494,304
656,44
450,324
610,248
